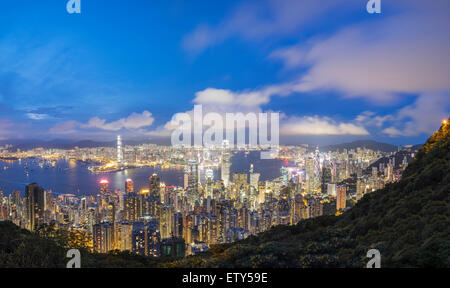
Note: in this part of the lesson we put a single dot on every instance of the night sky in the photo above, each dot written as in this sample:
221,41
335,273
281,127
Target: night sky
335,72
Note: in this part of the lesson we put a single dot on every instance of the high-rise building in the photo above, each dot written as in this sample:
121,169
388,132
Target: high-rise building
35,204
155,186
145,237
226,164
193,191
133,206
254,177
178,224
310,189
123,237
209,175
341,197
166,221
314,208
240,180
119,150
104,187
102,237
129,186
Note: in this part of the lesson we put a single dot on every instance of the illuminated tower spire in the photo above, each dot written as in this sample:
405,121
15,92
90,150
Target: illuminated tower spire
119,150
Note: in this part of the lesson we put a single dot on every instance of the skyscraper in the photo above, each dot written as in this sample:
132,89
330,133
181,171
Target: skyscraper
129,186
119,150
192,191
155,186
209,175
254,177
35,203
166,221
104,187
225,169
341,197
102,237
133,206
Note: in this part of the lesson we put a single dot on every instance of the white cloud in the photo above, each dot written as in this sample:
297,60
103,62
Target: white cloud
134,121
262,19
320,126
133,124
67,127
406,53
422,117
37,116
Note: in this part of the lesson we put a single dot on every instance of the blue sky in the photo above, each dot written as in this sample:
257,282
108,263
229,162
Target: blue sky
334,72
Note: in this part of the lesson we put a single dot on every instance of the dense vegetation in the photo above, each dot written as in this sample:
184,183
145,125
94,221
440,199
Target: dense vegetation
408,222
48,246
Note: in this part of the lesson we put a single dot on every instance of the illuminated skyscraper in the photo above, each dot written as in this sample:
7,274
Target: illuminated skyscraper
309,176
119,150
102,237
314,208
166,221
145,238
104,187
225,169
129,186
155,186
35,201
341,197
192,191
254,177
209,175
133,206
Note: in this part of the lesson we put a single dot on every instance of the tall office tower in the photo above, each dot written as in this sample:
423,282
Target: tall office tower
133,207
309,176
374,173
178,225
240,180
16,197
166,221
209,175
226,162
326,177
124,231
35,205
186,179
104,187
119,150
129,186
254,177
192,190
155,186
102,237
390,174
145,239
341,197
331,189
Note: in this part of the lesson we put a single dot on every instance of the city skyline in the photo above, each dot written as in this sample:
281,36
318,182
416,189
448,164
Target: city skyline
210,207
113,70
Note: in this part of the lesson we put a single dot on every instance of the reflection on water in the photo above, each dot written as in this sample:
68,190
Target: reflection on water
73,177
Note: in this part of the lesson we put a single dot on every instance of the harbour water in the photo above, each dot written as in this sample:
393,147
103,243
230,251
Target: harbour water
73,177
